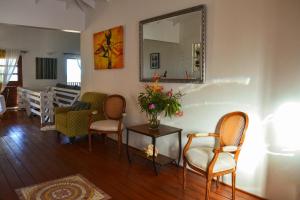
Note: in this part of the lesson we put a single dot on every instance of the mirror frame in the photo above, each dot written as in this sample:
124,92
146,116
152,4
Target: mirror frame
200,79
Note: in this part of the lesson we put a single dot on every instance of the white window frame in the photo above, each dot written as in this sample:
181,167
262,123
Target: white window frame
17,67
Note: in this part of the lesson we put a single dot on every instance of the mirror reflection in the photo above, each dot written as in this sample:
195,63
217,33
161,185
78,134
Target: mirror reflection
173,46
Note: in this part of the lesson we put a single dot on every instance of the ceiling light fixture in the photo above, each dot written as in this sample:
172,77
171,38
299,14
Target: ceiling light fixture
71,31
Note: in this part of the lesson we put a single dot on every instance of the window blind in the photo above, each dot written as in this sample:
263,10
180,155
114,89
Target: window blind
46,68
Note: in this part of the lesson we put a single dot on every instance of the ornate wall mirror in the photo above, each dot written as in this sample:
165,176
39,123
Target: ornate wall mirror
173,46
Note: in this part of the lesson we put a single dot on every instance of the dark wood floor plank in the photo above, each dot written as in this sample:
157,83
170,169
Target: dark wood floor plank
9,172
40,156
6,192
24,175
30,166
29,156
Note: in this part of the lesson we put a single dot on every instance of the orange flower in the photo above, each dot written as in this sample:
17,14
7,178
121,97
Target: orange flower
155,87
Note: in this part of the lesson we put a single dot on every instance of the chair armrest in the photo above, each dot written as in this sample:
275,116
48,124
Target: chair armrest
227,149
94,112
195,135
62,109
191,136
95,115
219,150
78,121
230,148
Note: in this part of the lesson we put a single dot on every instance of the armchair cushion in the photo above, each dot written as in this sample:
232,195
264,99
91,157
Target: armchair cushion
202,156
106,125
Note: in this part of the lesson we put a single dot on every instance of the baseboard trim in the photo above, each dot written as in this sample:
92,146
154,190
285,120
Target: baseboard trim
243,191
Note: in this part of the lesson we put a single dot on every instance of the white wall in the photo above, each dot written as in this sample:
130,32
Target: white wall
39,43
282,101
163,30
169,60
252,65
46,13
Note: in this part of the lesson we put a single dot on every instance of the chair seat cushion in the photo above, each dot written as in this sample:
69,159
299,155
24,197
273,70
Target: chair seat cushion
202,156
106,125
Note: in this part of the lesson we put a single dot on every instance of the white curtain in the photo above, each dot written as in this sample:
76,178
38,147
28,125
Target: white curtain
11,62
78,62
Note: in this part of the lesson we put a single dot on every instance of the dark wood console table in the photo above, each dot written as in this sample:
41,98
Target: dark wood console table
162,131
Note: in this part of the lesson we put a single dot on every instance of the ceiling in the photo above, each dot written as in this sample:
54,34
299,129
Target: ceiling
82,4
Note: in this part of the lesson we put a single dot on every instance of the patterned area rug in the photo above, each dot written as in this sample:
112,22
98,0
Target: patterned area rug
69,188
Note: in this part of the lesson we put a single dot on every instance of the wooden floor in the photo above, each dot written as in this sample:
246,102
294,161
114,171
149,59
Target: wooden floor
28,156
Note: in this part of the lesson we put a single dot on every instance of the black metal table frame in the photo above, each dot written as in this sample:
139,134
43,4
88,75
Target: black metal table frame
154,145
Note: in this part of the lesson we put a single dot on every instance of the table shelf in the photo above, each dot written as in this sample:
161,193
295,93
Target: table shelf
160,160
163,130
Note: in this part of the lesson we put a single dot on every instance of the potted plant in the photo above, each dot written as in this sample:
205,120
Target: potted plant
154,101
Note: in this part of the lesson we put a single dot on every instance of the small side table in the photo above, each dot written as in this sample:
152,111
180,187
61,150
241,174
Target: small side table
162,131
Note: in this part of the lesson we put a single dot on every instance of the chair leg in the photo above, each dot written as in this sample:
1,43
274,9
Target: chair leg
103,138
208,185
184,174
72,140
90,141
120,142
218,182
233,175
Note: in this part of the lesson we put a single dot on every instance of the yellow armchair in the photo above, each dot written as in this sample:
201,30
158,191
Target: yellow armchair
75,123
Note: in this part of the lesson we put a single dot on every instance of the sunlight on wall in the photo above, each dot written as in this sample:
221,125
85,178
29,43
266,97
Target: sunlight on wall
286,124
189,88
254,147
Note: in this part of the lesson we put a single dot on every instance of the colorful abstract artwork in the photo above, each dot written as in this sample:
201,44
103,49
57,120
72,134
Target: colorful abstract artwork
108,49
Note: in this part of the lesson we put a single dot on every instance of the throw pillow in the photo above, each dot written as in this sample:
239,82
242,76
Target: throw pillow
80,105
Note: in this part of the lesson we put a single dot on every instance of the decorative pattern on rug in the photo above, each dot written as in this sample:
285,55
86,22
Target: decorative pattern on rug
69,188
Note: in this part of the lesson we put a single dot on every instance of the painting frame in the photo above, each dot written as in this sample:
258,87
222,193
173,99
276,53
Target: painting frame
154,60
109,48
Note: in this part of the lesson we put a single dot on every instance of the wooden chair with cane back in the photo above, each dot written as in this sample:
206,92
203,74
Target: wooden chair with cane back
216,162
114,111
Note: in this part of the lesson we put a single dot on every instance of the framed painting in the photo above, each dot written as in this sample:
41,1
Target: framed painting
154,61
108,49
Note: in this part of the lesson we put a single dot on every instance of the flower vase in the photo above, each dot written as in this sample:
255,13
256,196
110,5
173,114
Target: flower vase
153,121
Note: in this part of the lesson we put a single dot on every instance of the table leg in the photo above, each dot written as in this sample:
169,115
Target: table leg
153,156
179,153
127,148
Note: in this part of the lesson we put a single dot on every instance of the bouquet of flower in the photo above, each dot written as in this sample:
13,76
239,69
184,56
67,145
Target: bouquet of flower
154,101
